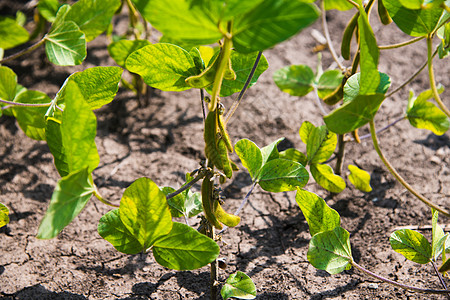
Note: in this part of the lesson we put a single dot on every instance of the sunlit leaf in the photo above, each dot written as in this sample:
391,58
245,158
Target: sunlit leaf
111,228
120,50
32,119
184,248
270,151
295,155
318,214
351,87
412,245
4,215
330,250
359,178
240,286
305,131
8,84
324,176
328,82
69,198
250,156
163,66
11,33
280,175
48,9
338,4
144,212
438,242
321,145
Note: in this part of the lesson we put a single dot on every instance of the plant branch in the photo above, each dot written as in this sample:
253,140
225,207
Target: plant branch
244,201
353,3
23,52
327,36
340,155
412,77
432,80
400,285
103,200
397,175
393,46
366,136
188,185
441,279
244,89
26,104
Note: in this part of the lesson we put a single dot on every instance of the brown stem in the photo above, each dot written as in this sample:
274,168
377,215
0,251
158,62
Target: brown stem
23,52
340,155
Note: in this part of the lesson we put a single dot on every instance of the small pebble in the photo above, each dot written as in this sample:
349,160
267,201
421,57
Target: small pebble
373,286
375,200
436,160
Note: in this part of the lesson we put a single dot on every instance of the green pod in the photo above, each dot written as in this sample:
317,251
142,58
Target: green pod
223,153
336,95
205,78
210,136
229,220
347,37
383,13
444,268
223,131
207,196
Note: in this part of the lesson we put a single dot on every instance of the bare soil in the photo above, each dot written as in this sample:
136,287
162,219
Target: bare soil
164,140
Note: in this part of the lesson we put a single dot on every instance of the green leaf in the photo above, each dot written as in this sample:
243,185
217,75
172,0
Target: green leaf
4,215
186,203
69,198
369,52
239,286
32,119
438,242
305,131
412,245
328,82
355,114
295,155
184,248
8,84
414,22
425,115
242,65
120,50
338,4
296,80
65,44
48,9
280,175
411,4
445,266
324,176
359,178
93,16
318,214
321,144
181,21
250,156
11,33
270,151
176,203
144,212
351,87
162,66
73,142
330,250
98,85
270,23
111,228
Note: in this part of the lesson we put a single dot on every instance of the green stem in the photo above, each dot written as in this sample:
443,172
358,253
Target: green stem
353,3
432,80
26,104
397,175
327,37
400,285
103,200
214,284
23,52
393,46
188,185
224,58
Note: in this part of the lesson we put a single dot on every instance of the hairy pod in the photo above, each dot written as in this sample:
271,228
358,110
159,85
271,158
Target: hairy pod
383,13
347,37
336,95
205,78
223,131
223,153
207,198
210,136
229,220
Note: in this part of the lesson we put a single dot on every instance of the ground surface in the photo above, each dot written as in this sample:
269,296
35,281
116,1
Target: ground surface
163,141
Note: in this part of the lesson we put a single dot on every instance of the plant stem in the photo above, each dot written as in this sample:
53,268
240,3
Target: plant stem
244,89
23,52
441,279
393,46
103,200
327,36
26,104
188,185
340,155
353,3
244,201
432,80
400,285
366,136
214,276
397,175
224,58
